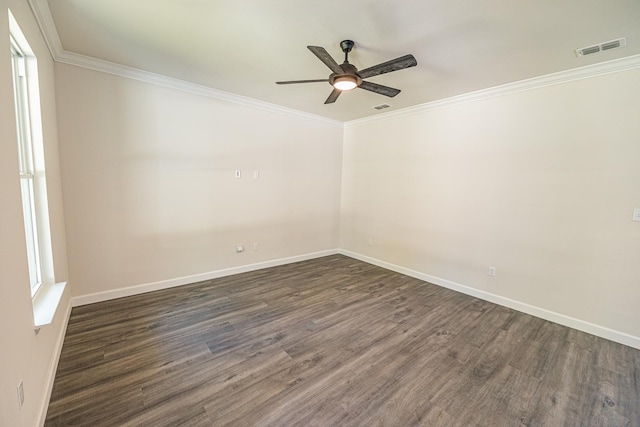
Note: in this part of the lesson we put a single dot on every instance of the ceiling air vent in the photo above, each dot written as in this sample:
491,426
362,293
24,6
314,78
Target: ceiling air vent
381,106
610,45
613,44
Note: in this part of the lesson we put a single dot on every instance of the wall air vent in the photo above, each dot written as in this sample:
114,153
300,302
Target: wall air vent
612,44
381,106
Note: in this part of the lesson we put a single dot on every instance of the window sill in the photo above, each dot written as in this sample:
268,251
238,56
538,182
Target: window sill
46,302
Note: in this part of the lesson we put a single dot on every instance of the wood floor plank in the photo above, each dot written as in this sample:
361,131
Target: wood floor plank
333,342
168,410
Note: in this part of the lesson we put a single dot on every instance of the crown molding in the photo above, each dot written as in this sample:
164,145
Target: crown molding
45,21
42,13
185,86
602,68
43,16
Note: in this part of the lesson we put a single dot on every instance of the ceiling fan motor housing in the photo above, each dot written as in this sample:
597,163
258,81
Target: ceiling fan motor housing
348,70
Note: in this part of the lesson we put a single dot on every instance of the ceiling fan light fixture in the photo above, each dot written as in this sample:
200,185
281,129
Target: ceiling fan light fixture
345,82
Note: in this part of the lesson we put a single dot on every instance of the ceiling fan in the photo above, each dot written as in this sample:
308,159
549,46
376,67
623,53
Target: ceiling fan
347,77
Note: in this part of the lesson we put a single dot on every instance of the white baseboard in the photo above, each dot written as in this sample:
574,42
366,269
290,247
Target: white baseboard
53,367
179,281
581,325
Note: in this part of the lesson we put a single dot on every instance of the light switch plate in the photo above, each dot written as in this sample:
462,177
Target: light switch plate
636,214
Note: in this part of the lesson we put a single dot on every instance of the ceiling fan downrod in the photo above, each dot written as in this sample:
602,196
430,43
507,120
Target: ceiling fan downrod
346,46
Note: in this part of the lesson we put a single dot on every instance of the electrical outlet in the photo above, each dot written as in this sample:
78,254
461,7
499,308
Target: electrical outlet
256,174
370,241
240,248
492,271
636,214
20,395
256,246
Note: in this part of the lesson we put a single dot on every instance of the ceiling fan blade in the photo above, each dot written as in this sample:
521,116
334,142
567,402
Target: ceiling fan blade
389,66
382,90
324,56
333,96
290,82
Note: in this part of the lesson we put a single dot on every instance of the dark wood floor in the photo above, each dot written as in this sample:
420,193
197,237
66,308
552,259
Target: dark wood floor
333,342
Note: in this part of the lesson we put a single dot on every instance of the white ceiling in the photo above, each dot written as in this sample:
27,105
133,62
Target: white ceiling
245,46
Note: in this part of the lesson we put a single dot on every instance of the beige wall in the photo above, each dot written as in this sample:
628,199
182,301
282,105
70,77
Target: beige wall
25,355
149,187
540,184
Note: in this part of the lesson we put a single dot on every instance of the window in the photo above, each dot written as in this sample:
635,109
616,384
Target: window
46,293
26,164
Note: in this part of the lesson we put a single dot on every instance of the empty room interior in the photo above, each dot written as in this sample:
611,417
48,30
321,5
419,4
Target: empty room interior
364,213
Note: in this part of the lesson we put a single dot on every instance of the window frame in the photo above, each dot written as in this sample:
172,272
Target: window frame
26,164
